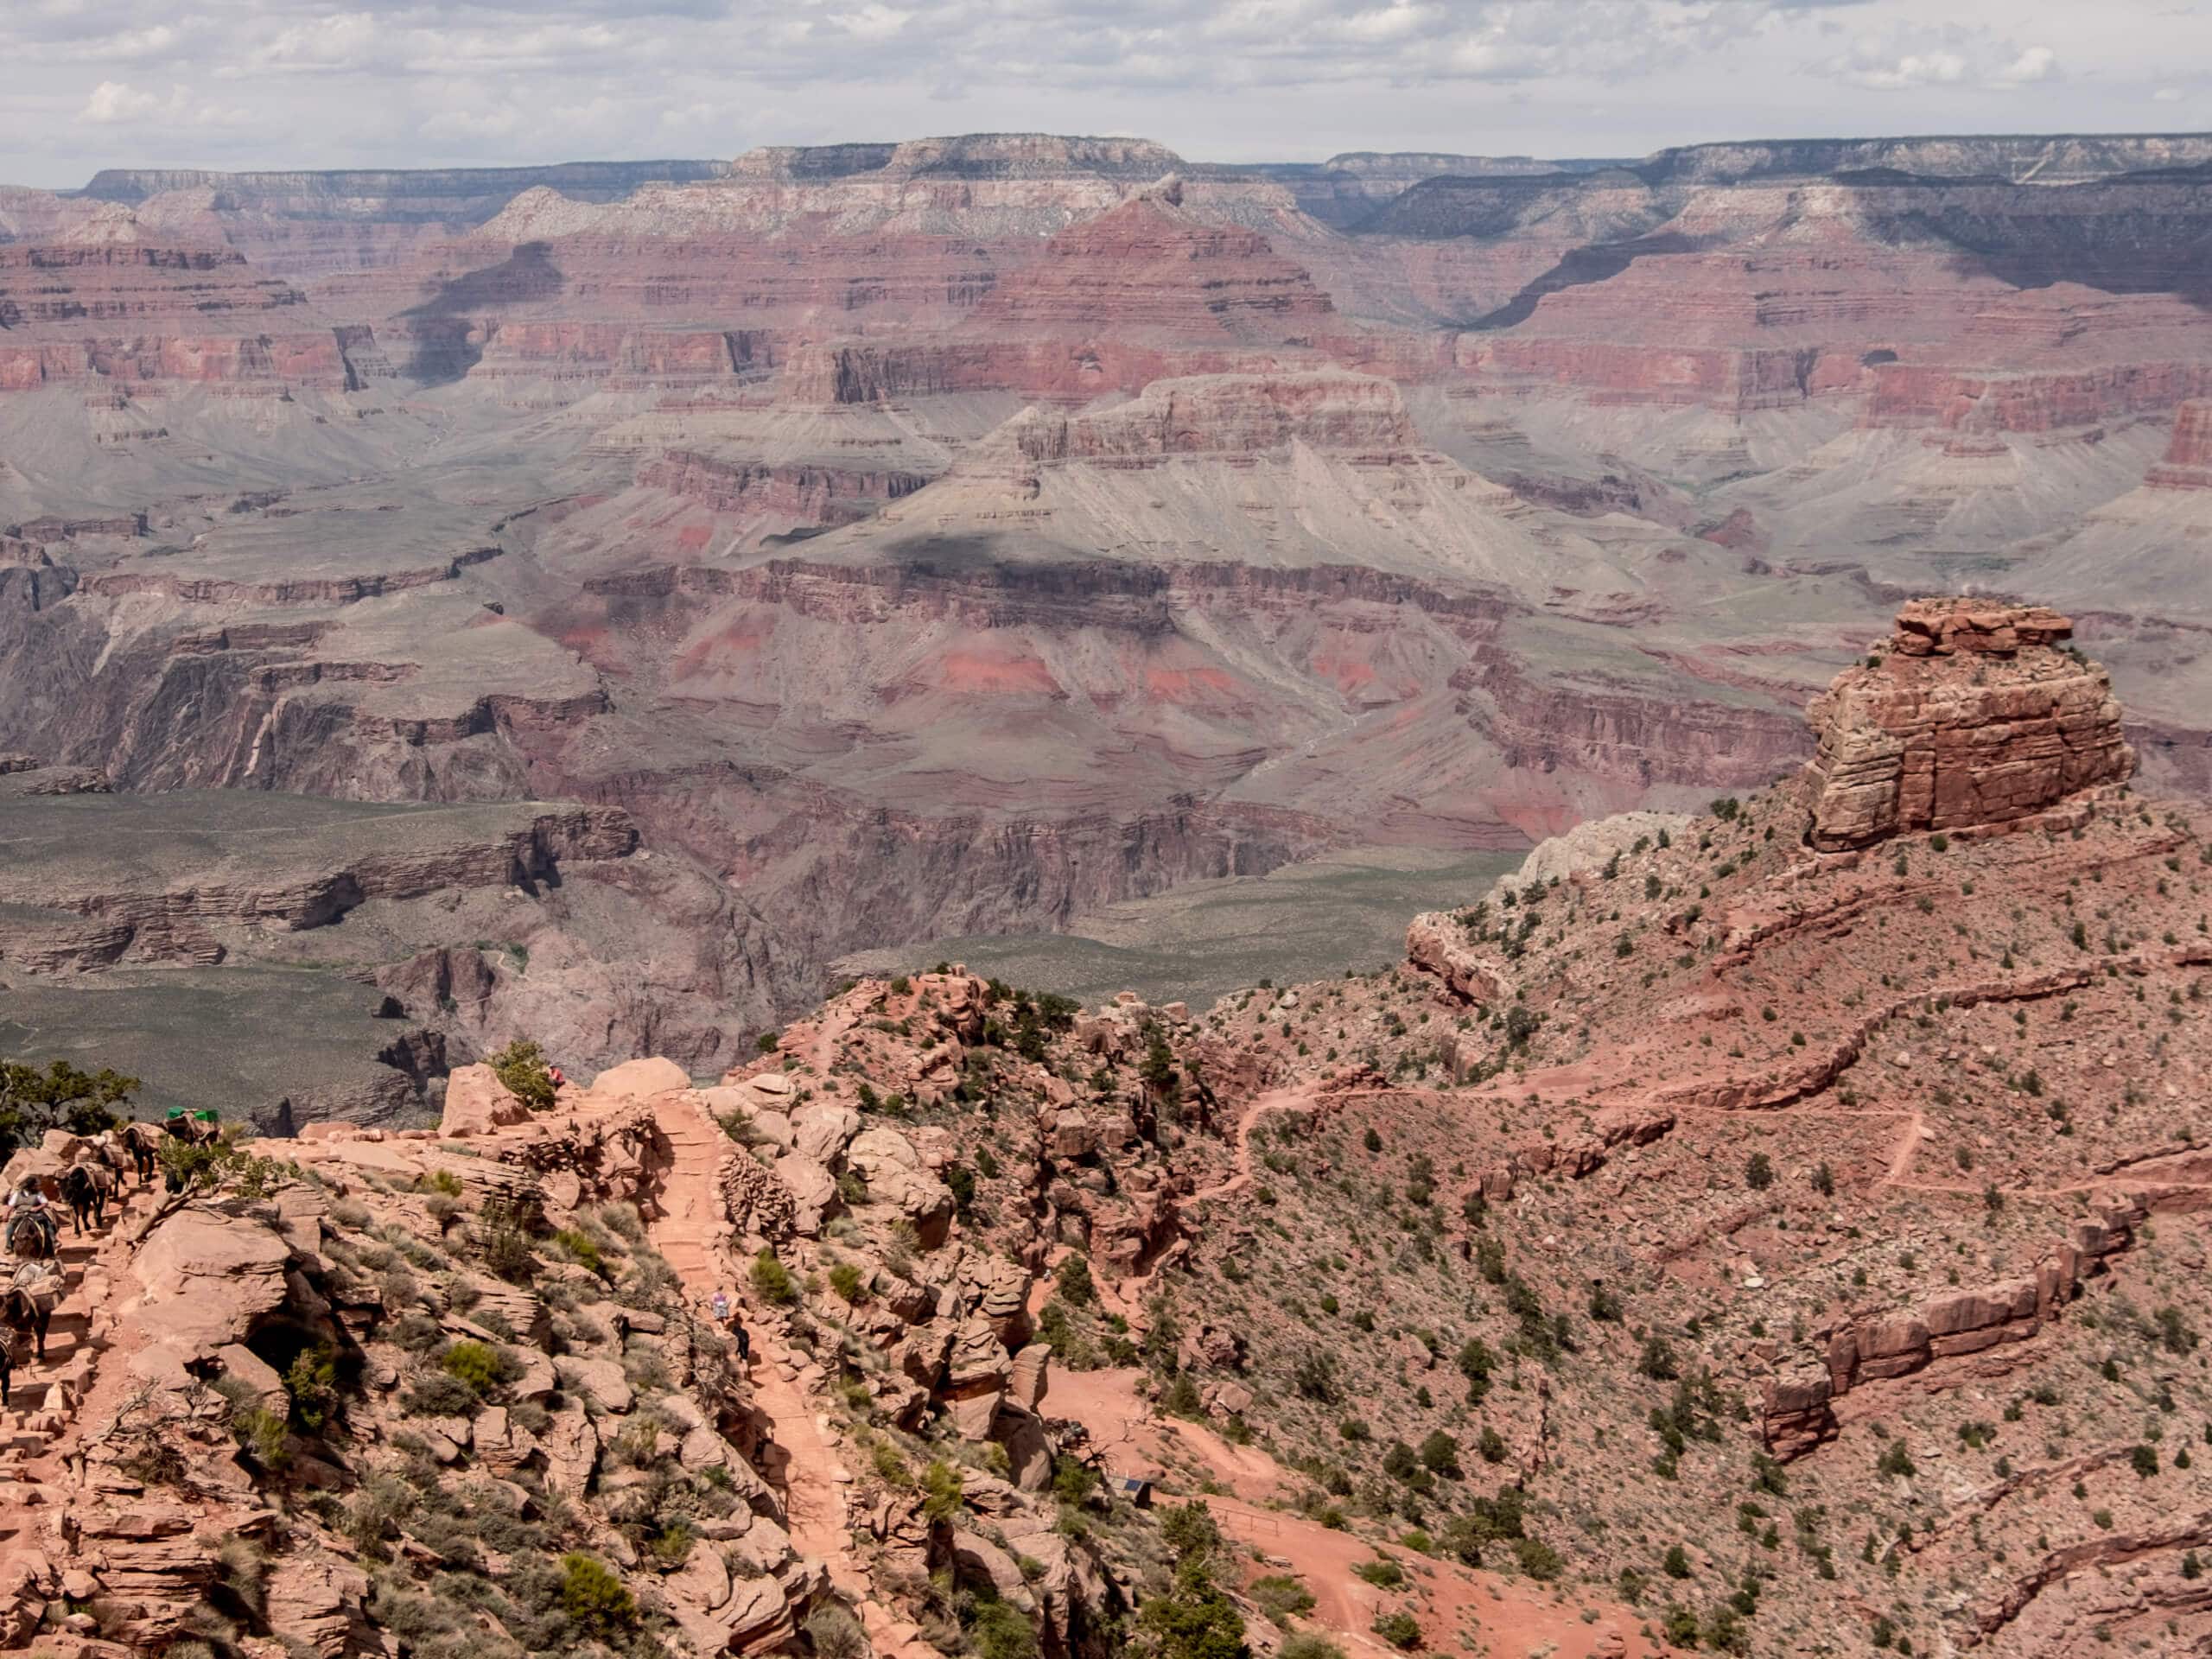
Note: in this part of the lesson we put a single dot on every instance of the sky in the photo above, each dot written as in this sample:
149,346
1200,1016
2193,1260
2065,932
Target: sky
251,84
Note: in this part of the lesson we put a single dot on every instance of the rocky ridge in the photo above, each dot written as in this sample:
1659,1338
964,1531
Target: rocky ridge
1703,1168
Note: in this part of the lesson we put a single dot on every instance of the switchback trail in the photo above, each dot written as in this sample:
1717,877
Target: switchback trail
692,1234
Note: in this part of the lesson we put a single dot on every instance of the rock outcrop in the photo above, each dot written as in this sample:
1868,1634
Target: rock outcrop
1798,1409
1970,715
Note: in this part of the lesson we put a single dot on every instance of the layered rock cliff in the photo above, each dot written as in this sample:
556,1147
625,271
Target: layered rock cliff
1969,715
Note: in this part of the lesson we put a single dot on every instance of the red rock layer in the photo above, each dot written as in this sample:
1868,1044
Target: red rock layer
823,495
136,313
2187,464
1238,415
1970,715
1149,266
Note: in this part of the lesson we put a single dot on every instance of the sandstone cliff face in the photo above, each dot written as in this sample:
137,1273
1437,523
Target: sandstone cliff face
2188,463
1969,715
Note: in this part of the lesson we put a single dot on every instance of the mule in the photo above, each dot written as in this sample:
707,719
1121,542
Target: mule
85,1188
32,1235
141,1143
28,1307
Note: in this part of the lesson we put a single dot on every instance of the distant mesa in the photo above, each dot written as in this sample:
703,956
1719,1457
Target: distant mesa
1971,714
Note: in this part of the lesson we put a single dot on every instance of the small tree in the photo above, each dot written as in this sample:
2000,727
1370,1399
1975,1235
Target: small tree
1190,1531
61,1097
1758,1172
520,1066
1073,1281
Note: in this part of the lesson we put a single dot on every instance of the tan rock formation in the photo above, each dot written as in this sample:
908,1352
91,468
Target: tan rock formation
476,1103
1970,715
1437,944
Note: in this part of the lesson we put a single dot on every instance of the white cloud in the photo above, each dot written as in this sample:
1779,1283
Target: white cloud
427,82
118,100
1914,69
117,103
2037,63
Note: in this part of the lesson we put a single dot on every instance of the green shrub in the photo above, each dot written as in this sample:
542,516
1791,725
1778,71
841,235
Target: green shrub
833,1633
436,1395
1182,1399
1400,1629
582,1249
311,1382
1189,1532
1382,1573
1072,1481
1306,1645
1195,1621
503,1237
1538,1559
521,1067
261,1433
1073,1281
593,1597
845,1279
773,1281
1280,1596
473,1364
941,1482
1000,1632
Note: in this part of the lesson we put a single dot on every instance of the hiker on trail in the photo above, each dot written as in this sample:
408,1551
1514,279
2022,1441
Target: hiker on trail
560,1078
725,1314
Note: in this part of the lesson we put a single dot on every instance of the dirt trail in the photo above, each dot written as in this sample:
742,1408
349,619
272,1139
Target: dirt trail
34,1450
1443,1595
807,1467
1298,1099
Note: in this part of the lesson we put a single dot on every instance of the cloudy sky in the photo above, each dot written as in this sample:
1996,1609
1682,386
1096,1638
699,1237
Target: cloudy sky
339,83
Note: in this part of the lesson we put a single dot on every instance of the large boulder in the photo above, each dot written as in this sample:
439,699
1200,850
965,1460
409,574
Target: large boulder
812,1188
635,1079
888,1161
1437,942
316,1601
821,1130
209,1278
477,1103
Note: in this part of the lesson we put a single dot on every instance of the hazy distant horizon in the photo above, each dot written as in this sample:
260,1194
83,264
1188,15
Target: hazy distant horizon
322,84
1314,159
